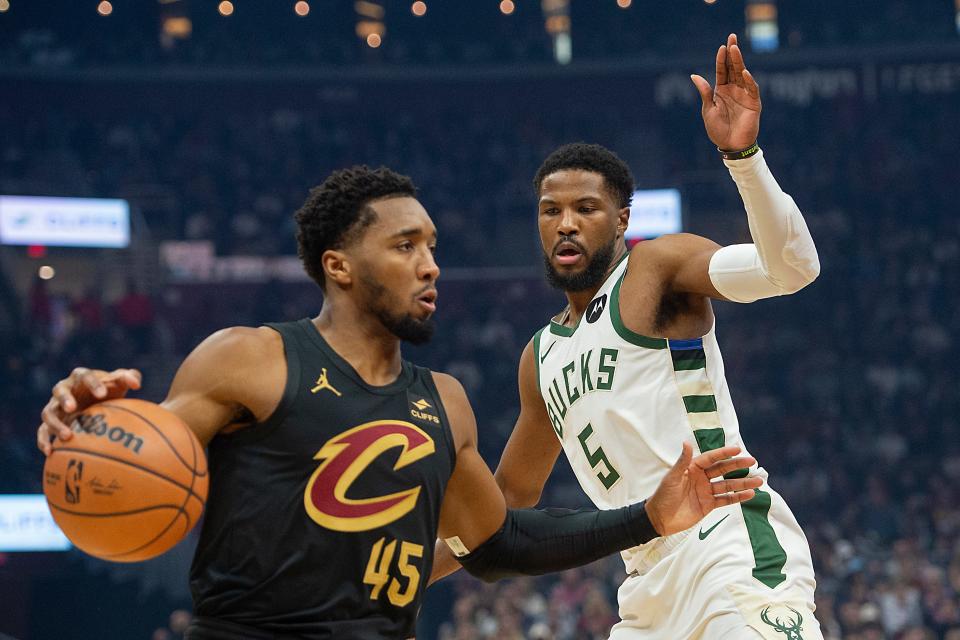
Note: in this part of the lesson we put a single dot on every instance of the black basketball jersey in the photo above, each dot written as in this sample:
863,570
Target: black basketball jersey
321,521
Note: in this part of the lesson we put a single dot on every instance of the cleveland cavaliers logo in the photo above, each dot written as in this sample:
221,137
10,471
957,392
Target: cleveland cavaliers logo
345,457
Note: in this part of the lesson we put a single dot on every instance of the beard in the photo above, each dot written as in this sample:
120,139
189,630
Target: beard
381,300
592,275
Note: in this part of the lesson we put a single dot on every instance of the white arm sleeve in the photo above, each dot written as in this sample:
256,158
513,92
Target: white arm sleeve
783,258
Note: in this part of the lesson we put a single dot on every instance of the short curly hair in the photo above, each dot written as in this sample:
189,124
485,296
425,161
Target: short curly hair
590,157
336,212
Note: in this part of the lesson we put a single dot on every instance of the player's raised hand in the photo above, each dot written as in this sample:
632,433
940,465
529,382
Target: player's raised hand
731,110
689,492
82,388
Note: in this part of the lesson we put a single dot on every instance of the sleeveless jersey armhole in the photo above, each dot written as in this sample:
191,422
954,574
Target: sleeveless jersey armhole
291,388
444,419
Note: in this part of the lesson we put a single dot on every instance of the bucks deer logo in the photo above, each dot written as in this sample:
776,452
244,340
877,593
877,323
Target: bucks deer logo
791,628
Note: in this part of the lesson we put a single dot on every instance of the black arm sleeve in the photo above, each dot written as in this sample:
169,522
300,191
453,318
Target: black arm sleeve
534,542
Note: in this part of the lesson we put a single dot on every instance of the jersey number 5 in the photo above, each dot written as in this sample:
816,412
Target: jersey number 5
378,571
598,458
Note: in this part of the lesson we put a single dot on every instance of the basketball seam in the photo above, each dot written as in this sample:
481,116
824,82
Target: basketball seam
114,513
189,490
151,541
160,433
193,481
124,513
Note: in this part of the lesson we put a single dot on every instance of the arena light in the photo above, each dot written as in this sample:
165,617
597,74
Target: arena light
177,27
46,272
175,23
507,7
225,8
624,4
368,9
556,15
301,8
366,29
558,24
370,24
104,8
762,30
4,6
419,8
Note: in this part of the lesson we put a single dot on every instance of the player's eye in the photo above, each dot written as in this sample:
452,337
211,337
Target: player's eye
405,246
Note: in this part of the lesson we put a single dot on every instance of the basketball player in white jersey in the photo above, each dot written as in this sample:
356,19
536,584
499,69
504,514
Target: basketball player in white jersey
631,369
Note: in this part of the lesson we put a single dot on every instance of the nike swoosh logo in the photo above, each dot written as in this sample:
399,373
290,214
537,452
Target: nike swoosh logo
703,534
544,356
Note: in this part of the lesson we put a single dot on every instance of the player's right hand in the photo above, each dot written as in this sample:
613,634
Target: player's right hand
82,388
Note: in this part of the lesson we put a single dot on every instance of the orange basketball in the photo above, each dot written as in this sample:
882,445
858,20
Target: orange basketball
130,483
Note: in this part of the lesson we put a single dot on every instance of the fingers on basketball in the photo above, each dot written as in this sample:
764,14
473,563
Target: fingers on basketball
131,483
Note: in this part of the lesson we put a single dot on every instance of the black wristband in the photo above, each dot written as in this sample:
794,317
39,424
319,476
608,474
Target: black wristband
742,154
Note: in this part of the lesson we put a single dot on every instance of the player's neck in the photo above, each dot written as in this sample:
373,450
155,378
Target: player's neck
362,341
577,302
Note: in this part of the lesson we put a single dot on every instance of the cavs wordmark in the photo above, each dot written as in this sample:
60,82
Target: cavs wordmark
345,457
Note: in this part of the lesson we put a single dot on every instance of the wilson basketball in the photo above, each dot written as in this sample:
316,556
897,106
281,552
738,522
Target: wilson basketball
130,484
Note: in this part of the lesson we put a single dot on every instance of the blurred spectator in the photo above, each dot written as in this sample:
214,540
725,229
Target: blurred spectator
134,312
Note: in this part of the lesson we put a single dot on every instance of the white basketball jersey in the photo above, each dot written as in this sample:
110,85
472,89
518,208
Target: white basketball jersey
622,404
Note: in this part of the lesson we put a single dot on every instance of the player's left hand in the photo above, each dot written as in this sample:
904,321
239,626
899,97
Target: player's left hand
689,492
731,111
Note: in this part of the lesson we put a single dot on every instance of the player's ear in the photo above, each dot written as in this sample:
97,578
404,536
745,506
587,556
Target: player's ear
623,221
337,267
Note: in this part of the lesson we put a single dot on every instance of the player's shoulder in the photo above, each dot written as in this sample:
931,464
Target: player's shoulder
665,253
238,345
457,406
529,353
449,388
671,244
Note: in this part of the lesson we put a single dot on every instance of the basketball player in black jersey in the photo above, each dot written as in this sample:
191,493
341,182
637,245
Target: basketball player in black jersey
335,464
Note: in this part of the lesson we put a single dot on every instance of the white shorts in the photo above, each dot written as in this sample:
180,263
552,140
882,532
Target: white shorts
744,572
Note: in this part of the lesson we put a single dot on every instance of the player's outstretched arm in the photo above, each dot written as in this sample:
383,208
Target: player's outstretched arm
526,462
493,542
212,389
782,258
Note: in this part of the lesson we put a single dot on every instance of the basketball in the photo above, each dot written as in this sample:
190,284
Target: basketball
130,484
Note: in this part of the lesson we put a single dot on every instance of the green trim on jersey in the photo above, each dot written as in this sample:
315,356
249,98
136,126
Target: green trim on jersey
630,336
558,329
768,554
690,367
689,360
700,404
709,439
536,356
